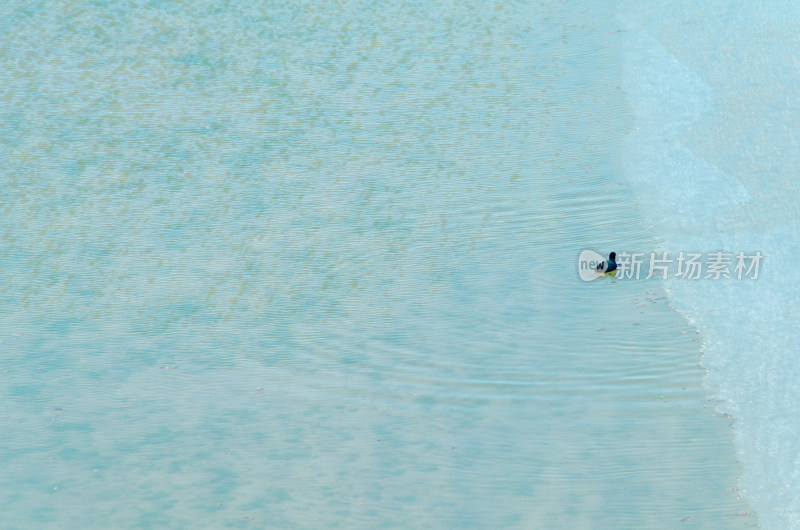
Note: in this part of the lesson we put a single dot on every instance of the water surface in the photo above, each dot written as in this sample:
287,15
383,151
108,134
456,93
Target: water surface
304,265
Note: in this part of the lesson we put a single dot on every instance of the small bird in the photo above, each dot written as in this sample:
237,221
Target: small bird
610,265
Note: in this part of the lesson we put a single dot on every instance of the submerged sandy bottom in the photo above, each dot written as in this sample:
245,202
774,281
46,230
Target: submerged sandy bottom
311,266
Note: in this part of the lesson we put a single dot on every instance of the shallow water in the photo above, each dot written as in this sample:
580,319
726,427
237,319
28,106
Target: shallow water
301,265
726,147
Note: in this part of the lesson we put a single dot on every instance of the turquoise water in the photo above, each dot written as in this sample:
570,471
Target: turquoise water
305,265
714,91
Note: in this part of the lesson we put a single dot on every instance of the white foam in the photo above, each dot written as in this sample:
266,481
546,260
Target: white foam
749,326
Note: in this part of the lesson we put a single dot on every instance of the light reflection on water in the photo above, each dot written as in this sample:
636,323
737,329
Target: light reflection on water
296,265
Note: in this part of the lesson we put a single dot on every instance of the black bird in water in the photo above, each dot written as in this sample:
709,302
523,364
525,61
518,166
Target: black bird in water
610,265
